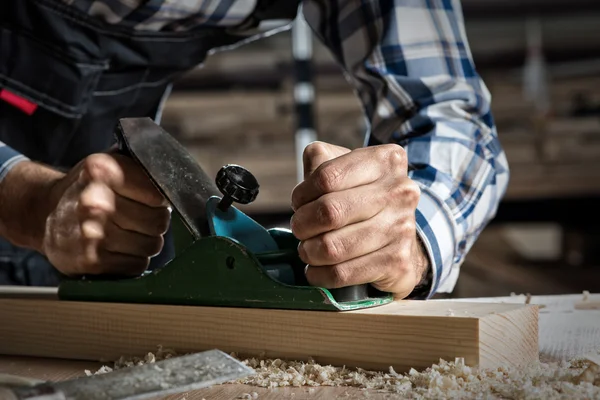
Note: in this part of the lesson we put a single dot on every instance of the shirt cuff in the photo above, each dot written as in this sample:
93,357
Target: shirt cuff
9,157
436,229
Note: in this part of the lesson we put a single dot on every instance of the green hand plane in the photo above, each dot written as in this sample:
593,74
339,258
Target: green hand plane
222,256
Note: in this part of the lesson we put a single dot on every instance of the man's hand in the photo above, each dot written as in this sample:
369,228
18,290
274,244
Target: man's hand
355,218
107,218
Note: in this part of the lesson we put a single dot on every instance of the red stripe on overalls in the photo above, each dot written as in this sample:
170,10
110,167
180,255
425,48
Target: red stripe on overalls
22,104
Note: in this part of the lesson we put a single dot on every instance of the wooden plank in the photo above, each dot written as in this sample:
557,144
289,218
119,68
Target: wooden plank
564,333
404,334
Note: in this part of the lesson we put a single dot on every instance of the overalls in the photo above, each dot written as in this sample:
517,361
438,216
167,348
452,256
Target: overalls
84,75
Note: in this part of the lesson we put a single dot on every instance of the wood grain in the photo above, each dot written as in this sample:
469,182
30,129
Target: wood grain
404,334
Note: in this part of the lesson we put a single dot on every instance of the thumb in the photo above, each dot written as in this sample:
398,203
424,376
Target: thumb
317,153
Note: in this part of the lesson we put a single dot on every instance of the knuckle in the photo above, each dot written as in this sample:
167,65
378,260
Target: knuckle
406,190
154,198
330,213
294,225
402,259
397,192
295,198
394,154
163,221
97,165
85,204
92,230
303,254
86,198
314,149
408,227
413,192
331,248
97,199
327,177
339,276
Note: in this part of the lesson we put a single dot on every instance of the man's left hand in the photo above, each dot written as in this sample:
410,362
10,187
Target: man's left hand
355,218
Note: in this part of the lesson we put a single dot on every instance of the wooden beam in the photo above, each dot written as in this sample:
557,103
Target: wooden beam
404,334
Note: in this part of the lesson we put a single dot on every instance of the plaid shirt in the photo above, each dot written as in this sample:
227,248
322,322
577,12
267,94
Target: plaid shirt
410,63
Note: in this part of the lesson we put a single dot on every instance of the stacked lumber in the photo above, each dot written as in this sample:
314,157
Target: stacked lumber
562,158
239,108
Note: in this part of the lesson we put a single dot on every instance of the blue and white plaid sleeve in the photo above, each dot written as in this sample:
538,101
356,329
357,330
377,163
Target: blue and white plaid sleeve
8,158
412,67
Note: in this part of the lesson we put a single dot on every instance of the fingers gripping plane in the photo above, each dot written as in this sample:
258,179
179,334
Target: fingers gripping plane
222,256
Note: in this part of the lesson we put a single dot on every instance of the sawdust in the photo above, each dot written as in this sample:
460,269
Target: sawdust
125,362
443,380
577,379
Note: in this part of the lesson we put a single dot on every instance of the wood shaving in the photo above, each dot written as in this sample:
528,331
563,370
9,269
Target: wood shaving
586,304
526,295
576,379
249,396
442,380
586,295
126,362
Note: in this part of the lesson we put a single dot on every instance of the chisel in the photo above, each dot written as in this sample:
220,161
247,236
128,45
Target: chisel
170,376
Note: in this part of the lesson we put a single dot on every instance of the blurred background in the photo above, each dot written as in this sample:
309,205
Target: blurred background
541,62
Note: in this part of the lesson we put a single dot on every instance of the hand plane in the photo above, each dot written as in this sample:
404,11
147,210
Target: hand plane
222,256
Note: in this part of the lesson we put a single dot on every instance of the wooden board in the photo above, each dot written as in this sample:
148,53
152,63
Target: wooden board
404,334
566,331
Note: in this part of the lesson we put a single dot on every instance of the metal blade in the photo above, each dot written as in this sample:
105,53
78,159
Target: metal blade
170,376
172,169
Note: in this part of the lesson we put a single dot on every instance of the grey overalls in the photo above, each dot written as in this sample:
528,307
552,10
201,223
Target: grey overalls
84,75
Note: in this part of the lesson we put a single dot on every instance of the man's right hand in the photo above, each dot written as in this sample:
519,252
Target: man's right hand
106,218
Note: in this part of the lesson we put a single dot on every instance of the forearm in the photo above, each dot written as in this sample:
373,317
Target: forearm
25,201
456,158
411,66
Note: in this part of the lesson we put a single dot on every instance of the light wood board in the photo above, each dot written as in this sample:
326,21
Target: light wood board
404,334
566,331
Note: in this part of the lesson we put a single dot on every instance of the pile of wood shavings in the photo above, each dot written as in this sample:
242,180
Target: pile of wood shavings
578,379
126,362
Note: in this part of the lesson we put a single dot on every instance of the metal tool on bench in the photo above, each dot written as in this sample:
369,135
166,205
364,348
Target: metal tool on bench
223,257
170,376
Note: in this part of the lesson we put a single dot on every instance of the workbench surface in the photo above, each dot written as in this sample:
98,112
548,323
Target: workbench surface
565,333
